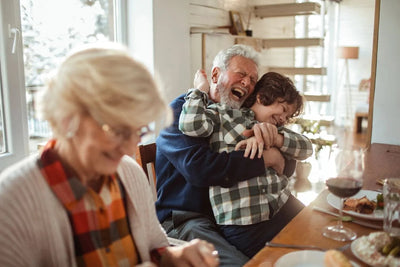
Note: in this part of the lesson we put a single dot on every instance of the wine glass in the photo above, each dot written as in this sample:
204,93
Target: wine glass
348,182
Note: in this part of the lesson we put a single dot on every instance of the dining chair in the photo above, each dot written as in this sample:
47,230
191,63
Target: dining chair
146,157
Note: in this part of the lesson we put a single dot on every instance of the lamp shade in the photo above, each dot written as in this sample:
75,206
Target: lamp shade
347,52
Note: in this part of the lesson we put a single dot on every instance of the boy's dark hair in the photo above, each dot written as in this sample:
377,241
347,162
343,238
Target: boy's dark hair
272,86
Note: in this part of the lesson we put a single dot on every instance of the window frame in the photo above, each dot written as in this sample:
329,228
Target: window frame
12,86
12,77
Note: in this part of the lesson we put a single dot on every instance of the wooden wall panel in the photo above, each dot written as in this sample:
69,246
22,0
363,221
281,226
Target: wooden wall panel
204,16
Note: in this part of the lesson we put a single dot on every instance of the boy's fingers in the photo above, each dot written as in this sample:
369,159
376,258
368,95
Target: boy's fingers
248,133
260,150
253,150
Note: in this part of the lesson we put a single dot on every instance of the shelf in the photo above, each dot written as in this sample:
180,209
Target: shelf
293,42
298,71
317,97
284,42
281,10
324,120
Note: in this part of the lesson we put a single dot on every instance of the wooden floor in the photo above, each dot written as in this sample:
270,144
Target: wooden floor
347,137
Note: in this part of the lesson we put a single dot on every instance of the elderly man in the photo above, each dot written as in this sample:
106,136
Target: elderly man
186,166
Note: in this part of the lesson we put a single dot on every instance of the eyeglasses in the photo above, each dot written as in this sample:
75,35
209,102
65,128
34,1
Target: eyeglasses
119,135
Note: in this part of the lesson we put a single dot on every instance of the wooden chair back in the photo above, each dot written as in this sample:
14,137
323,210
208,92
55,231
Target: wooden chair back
146,156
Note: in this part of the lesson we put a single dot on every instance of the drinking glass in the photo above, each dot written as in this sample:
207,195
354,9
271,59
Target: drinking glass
391,210
348,181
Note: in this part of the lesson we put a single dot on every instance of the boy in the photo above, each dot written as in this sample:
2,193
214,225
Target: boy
247,210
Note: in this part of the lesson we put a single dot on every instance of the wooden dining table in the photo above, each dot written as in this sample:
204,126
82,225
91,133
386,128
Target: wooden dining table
381,161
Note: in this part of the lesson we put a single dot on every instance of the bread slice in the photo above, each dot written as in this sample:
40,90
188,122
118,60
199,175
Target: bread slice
335,258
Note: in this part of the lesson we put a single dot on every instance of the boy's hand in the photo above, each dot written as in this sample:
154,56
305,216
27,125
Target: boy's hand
266,133
200,81
251,147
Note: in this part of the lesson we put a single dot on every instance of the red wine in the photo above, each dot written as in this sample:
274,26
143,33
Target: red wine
343,187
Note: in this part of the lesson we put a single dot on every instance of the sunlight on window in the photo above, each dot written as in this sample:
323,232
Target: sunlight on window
73,16
49,36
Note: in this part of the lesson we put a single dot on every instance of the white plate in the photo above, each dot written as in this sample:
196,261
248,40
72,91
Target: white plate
304,258
370,256
377,215
355,252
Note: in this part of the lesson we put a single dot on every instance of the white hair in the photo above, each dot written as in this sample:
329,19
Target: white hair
224,56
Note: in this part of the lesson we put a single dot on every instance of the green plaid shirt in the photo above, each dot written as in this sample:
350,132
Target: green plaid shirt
256,199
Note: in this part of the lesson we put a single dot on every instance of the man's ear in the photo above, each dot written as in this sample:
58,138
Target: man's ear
215,74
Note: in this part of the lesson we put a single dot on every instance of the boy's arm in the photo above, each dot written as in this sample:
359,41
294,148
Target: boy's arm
193,159
295,145
196,119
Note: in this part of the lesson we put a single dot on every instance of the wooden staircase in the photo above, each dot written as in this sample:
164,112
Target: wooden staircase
293,9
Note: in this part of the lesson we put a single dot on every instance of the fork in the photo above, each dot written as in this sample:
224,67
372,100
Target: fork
279,245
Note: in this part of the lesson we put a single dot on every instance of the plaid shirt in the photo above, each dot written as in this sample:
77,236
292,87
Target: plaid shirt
98,220
253,200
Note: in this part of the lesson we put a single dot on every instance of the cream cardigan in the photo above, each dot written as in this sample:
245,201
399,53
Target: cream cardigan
34,226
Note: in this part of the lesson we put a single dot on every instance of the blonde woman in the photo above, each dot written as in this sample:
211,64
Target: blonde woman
84,201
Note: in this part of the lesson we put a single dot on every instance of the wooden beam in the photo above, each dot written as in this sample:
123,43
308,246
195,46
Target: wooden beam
293,9
317,97
283,42
293,42
298,71
216,17
324,120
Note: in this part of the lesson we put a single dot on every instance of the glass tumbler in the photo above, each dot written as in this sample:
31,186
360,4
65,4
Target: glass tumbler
391,208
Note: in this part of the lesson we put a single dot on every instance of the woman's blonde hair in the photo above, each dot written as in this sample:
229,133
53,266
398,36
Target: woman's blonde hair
108,84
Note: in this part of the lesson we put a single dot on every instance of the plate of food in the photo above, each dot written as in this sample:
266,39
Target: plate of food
366,204
313,258
377,249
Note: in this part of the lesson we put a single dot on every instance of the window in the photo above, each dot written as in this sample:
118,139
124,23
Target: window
49,36
13,130
46,37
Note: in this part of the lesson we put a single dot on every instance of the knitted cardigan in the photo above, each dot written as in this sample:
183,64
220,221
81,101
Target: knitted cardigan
34,226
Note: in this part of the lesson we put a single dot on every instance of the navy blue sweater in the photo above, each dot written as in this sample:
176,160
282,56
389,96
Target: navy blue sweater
186,167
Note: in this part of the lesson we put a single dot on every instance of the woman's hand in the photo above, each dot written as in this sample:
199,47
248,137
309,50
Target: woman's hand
200,81
196,253
251,147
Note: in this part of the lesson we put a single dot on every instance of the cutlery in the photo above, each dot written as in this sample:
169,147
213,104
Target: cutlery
279,245
348,218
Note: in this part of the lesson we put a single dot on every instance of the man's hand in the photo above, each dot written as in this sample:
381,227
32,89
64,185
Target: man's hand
251,147
200,81
196,253
274,159
266,133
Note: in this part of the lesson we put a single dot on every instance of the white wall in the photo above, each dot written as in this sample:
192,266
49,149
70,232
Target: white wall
386,112
172,45
356,25
140,31
159,36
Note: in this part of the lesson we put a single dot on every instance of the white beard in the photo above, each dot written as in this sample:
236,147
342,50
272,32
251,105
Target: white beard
226,100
